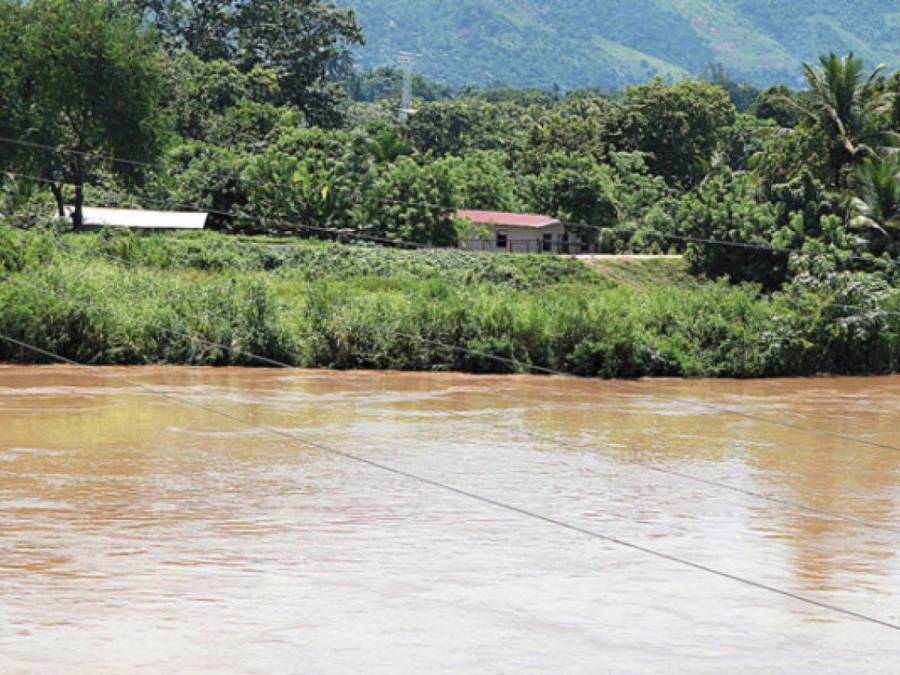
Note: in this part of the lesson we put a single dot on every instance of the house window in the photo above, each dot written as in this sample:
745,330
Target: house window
548,241
501,239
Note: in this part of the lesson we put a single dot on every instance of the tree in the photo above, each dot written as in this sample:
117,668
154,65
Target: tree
742,95
728,208
582,126
11,75
874,201
92,81
482,181
198,94
306,42
576,190
678,126
385,82
851,109
457,126
777,103
412,203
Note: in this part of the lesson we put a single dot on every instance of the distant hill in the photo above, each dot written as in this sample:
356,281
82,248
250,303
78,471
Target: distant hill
611,43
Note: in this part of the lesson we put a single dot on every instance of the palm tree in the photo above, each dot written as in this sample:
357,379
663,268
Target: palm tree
850,108
874,201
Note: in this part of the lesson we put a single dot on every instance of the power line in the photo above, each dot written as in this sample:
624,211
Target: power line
489,501
357,235
449,210
281,364
350,233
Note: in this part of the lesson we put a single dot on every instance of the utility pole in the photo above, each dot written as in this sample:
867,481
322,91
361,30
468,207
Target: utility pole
406,95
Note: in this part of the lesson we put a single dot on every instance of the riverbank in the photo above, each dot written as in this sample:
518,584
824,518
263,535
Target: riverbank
129,299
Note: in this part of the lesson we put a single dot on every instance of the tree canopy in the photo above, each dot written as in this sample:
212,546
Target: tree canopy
87,82
305,42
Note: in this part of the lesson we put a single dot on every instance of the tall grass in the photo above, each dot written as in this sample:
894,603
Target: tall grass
344,307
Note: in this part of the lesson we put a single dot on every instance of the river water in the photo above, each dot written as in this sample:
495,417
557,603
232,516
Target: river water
138,534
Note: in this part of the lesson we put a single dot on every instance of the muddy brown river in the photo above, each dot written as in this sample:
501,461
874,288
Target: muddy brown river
139,534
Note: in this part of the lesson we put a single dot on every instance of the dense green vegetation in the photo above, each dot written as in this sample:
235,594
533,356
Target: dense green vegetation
163,299
785,204
610,44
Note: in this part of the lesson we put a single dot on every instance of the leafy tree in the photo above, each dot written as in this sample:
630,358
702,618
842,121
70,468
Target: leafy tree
12,86
894,88
582,127
777,103
576,190
306,42
92,81
294,192
198,94
455,127
409,202
678,126
874,202
481,181
849,107
201,175
728,208
785,156
742,94
387,144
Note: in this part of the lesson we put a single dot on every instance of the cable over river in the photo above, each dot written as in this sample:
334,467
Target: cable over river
139,534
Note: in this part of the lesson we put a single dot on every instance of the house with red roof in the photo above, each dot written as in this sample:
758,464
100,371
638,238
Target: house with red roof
501,232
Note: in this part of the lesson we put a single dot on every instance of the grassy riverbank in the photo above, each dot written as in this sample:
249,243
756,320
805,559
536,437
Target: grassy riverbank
159,299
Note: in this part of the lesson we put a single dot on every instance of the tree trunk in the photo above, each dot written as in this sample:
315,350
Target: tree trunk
77,215
58,196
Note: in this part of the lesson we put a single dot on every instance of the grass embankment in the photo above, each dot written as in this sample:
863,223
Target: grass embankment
326,305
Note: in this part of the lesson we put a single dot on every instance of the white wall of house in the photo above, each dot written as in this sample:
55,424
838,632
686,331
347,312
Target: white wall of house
502,239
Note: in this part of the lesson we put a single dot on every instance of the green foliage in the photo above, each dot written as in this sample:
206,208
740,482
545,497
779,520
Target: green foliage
575,189
351,307
459,126
215,102
11,258
679,127
743,95
777,104
305,42
583,126
482,181
386,82
13,107
413,203
874,204
849,109
92,85
727,208
580,43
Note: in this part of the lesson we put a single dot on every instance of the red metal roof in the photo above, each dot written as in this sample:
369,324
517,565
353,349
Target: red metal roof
507,219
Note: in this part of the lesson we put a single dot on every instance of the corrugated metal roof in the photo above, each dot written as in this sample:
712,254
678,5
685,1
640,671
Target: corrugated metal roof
507,219
142,220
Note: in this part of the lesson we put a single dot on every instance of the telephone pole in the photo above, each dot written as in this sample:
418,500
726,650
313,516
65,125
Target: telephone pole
406,110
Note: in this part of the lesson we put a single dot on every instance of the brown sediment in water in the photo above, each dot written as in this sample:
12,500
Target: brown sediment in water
138,534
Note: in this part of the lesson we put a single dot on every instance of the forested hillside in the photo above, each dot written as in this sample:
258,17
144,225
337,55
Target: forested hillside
608,43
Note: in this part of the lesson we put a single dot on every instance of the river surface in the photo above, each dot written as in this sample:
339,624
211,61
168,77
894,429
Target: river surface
139,534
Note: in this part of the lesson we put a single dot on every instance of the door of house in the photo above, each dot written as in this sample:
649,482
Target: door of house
548,241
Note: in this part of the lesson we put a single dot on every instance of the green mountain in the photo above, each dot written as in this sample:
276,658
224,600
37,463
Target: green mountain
610,43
